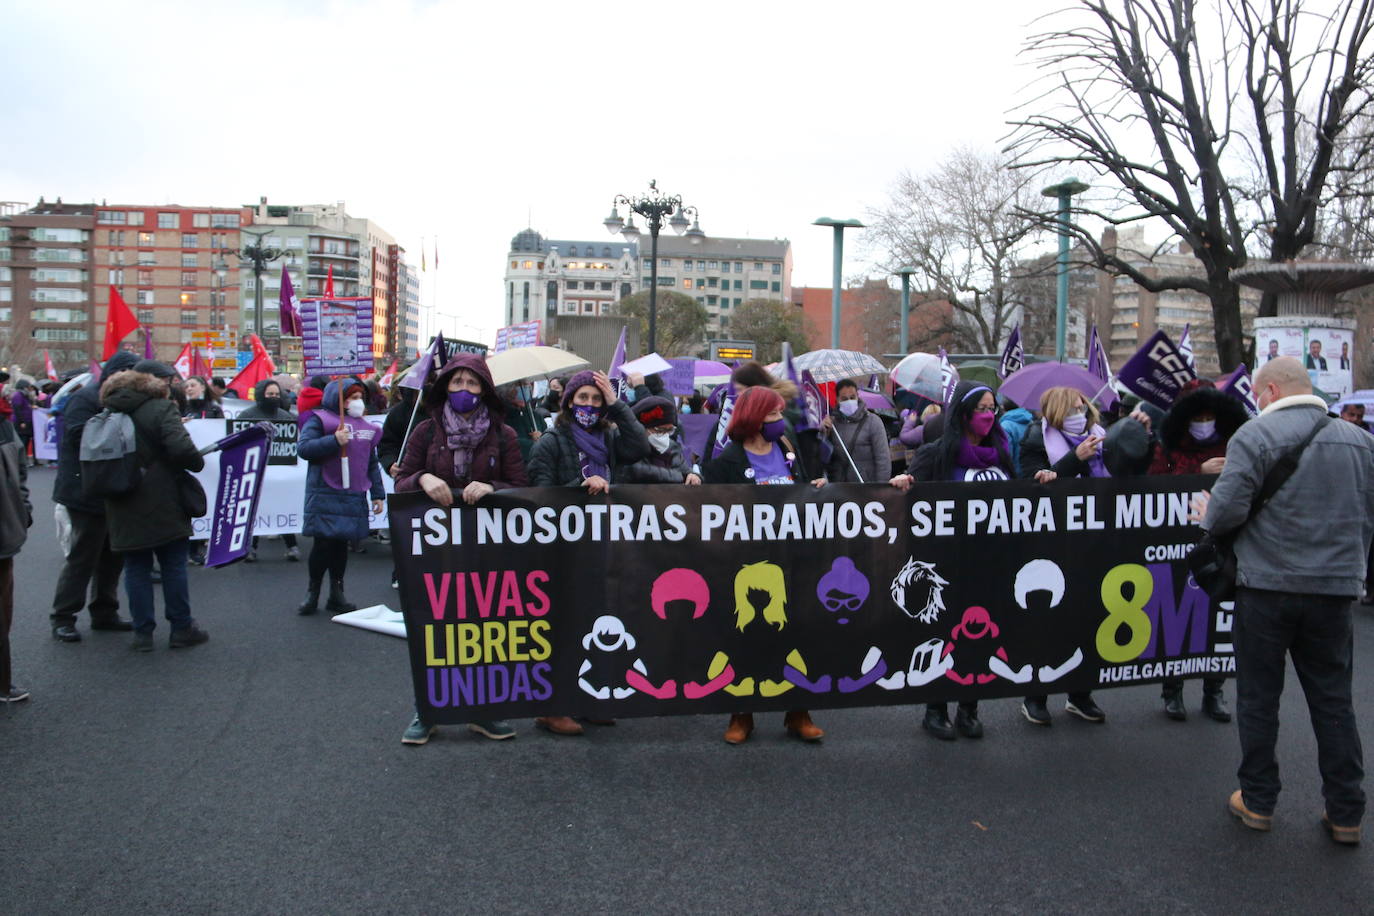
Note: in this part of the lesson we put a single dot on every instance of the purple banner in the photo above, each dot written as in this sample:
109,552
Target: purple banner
1158,371
242,462
696,429
336,335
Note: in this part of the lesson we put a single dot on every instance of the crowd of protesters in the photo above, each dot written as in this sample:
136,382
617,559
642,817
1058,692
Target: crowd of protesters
462,438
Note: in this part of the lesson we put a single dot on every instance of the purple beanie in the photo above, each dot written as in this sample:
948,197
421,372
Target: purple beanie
579,380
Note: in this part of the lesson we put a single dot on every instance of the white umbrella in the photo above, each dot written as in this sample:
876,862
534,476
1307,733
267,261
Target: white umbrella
526,363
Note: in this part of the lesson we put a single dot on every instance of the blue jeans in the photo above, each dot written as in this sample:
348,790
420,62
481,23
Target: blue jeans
176,590
1315,631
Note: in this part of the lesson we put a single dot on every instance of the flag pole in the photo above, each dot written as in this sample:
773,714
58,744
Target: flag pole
410,424
840,439
343,423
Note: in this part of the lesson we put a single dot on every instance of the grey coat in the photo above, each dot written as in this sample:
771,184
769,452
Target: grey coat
863,434
16,512
1313,537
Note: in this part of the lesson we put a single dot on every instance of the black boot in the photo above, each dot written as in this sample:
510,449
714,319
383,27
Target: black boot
337,603
1214,703
1173,704
311,604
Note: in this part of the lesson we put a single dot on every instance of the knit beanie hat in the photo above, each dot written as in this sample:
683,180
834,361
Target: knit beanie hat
579,380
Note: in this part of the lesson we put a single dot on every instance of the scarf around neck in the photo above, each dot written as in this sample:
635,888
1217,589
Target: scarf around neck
1059,443
976,457
592,445
462,434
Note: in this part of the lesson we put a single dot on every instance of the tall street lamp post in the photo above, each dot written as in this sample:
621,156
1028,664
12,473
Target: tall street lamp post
840,225
905,273
1064,190
653,206
260,256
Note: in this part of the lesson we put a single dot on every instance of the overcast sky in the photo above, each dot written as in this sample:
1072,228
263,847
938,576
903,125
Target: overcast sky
468,121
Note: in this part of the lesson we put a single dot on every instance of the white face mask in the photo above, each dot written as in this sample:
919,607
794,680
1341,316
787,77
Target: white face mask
660,441
1202,430
356,407
1075,424
849,408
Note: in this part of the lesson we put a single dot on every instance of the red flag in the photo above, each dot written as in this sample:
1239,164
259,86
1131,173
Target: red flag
119,322
200,365
260,352
390,373
247,379
329,284
183,362
48,367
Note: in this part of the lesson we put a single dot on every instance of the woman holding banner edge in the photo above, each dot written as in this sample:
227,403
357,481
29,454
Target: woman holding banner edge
972,447
761,454
464,449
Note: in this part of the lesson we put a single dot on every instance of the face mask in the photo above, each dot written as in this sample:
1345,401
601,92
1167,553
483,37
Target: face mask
356,407
463,401
1075,424
981,423
773,430
1202,430
686,408
849,408
197,403
586,416
629,395
271,405
660,441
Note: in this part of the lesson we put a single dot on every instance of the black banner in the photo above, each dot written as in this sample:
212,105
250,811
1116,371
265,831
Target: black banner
285,434
666,600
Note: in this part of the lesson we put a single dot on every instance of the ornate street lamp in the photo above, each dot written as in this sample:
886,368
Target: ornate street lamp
654,206
260,256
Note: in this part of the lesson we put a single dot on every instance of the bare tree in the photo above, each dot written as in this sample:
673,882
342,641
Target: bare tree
1179,114
964,228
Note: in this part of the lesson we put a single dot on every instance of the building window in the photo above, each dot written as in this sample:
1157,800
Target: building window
711,282
190,240
758,284
145,239
572,284
665,281
188,317
687,264
224,220
59,333
52,235
144,297
712,265
188,260
6,295
145,278
710,300
113,217
200,220
7,274
5,234
776,287
54,275
739,284
606,285
701,265
527,296
686,282
188,278
4,254
737,301
664,262
758,265
49,294
167,220
116,277
777,270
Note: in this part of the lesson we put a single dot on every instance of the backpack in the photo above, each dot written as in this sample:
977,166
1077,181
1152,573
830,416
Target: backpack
109,455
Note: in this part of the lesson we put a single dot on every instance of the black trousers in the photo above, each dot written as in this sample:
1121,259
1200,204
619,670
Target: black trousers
90,566
6,618
1315,630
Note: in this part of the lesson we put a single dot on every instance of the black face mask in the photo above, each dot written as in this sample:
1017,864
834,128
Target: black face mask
271,405
196,403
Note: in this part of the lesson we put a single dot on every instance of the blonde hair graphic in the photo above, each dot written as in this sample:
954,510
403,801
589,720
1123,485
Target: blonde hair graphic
765,577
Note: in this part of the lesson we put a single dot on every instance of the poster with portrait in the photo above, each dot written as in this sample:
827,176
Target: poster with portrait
1328,359
1271,343
337,335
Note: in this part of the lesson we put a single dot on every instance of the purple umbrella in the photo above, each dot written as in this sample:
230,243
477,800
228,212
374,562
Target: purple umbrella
1025,386
710,372
874,400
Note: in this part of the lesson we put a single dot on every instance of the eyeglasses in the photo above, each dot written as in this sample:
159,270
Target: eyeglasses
851,603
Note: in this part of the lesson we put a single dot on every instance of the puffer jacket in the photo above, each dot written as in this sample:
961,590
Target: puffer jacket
671,466
1313,536
866,439
1177,452
152,513
331,513
16,512
77,408
554,459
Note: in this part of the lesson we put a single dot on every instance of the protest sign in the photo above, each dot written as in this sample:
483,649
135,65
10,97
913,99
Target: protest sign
680,377
518,335
285,434
718,599
242,464
336,335
47,427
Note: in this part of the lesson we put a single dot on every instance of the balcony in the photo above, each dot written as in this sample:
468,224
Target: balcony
340,273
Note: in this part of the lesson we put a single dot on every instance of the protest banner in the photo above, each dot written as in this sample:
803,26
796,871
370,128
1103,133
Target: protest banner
336,335
46,429
285,434
242,465
718,599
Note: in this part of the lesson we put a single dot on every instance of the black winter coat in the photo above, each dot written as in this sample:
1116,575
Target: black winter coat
554,462
732,465
152,514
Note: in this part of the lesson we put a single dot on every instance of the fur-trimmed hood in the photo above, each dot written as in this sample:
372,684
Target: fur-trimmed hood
1230,414
127,390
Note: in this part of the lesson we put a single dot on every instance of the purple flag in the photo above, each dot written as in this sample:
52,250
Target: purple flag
242,461
815,407
948,378
290,316
1185,346
1240,387
1013,357
1158,371
147,343
1097,357
418,374
618,381
789,368
727,410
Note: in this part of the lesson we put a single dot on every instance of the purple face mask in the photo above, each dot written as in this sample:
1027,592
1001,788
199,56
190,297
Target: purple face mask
981,423
773,430
463,401
586,415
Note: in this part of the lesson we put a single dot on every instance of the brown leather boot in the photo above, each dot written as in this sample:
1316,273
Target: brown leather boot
741,725
798,723
559,725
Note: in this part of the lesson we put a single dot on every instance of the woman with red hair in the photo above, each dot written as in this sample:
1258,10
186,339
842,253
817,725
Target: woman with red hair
762,451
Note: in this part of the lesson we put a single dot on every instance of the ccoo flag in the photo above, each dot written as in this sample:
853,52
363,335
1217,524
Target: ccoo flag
1013,356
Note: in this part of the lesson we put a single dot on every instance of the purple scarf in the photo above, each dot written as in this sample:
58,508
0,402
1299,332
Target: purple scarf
592,445
1059,443
977,457
462,434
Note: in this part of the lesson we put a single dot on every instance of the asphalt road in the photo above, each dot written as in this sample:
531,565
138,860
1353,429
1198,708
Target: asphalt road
263,772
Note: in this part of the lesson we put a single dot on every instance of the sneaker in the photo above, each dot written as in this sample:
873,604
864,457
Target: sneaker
497,730
186,637
16,694
1036,712
1260,822
293,554
1346,836
143,642
394,583
1086,710
418,732
66,633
